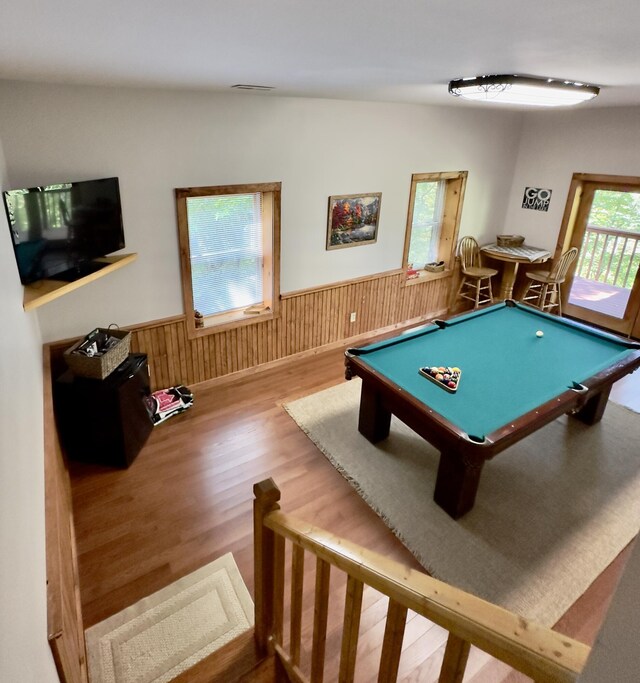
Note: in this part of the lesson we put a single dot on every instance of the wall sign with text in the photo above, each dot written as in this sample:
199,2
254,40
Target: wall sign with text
536,198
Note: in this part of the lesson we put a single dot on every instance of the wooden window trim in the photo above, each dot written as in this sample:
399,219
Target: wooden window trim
574,208
455,186
574,222
271,253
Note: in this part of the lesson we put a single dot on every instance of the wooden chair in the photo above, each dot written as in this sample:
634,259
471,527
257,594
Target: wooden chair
476,280
543,287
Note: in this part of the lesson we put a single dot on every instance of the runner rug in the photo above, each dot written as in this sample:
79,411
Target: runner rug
168,632
551,512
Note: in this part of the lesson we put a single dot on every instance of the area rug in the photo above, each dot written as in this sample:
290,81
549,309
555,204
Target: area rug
168,632
551,512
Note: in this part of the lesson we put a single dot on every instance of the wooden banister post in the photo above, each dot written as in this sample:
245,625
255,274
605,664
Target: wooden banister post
455,660
266,497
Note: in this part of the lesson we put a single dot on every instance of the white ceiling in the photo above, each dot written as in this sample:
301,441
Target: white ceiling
385,50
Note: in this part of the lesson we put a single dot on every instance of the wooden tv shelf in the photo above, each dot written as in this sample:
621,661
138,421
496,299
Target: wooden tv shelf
44,291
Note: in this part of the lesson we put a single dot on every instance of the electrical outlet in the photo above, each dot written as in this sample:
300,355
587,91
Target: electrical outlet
352,317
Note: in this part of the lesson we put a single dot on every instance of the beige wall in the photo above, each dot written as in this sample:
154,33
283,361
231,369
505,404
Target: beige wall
555,145
24,652
157,140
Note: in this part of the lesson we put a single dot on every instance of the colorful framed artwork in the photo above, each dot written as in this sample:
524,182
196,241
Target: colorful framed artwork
353,220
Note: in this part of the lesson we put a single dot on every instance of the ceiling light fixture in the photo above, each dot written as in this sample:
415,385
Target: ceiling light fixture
524,90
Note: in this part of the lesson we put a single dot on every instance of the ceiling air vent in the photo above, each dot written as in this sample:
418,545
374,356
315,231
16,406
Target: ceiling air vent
242,86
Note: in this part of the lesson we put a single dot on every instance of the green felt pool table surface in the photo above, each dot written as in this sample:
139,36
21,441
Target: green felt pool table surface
506,369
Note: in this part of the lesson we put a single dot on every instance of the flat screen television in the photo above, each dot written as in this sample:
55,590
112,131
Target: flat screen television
58,230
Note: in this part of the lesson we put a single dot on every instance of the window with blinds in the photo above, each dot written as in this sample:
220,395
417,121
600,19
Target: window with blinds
433,222
426,223
227,237
225,246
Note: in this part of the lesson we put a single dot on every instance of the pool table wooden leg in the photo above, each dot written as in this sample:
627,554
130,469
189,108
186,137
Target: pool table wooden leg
457,483
374,419
593,409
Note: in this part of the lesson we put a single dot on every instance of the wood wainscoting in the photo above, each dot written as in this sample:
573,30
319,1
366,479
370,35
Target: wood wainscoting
65,630
309,320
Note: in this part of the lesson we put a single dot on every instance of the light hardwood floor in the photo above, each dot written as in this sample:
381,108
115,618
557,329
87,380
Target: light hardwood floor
187,499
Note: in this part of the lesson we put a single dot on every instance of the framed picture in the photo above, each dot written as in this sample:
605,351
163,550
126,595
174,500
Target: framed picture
353,220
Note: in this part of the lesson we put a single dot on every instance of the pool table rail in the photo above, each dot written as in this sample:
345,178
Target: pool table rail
462,455
381,397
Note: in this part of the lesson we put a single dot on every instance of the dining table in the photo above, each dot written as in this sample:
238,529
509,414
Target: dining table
510,258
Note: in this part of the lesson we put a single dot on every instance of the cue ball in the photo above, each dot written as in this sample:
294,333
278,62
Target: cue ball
539,333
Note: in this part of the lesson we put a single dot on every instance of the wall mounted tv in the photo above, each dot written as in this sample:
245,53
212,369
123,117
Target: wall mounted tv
58,230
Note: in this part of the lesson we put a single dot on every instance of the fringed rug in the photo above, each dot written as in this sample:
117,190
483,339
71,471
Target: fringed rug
168,632
551,512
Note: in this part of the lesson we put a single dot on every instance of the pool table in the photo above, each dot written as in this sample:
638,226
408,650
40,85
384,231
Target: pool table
512,382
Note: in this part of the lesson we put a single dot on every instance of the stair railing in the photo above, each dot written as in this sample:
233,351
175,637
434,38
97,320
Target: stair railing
536,651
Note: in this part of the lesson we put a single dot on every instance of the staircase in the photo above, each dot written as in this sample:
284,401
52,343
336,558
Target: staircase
264,655
236,662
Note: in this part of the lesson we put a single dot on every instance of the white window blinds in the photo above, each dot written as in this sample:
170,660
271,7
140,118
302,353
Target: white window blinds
426,223
225,242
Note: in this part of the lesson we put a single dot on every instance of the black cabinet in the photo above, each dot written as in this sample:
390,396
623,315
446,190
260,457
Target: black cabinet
105,421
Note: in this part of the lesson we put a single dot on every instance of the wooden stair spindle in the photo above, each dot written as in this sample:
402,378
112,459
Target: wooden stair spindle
297,584
278,588
320,618
350,629
392,643
454,664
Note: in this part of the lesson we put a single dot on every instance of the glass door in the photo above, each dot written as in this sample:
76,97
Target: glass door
605,286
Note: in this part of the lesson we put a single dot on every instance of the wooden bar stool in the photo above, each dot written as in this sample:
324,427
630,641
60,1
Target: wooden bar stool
543,287
476,280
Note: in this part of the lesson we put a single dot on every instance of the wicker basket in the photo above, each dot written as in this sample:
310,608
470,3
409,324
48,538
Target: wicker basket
510,240
99,367
434,267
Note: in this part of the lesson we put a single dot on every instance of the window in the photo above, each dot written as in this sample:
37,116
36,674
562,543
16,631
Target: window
229,247
426,222
435,207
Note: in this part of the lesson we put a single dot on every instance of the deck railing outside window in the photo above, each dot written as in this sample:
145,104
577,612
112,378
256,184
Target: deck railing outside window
609,256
